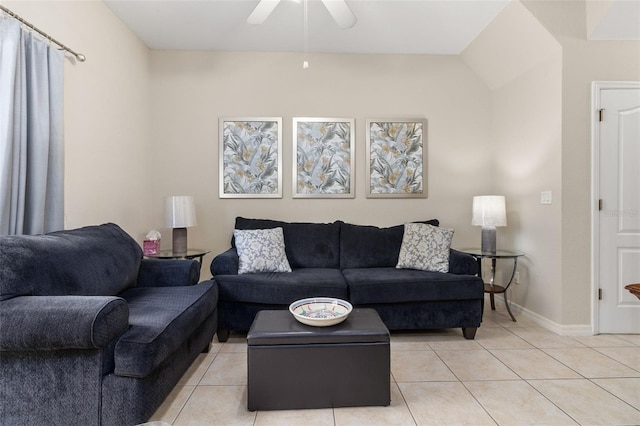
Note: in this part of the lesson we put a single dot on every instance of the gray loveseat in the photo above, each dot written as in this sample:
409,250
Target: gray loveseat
352,262
90,332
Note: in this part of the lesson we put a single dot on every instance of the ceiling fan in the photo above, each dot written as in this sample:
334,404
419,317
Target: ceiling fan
338,9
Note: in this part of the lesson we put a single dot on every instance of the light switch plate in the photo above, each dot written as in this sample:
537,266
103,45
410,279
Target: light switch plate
545,197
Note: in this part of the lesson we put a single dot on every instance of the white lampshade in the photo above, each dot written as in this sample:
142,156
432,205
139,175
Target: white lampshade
489,210
179,211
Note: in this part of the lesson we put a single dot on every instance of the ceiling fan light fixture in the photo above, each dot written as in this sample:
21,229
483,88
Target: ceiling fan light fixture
262,11
338,9
341,13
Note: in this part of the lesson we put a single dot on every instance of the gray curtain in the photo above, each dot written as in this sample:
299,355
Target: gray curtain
31,132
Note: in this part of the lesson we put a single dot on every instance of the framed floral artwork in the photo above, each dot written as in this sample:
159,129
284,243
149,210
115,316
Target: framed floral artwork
396,158
323,157
250,157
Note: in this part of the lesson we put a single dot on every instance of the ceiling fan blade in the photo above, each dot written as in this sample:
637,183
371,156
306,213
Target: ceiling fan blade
341,13
262,11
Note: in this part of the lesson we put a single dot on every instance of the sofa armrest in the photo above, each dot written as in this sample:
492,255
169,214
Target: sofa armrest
462,263
168,273
61,322
226,263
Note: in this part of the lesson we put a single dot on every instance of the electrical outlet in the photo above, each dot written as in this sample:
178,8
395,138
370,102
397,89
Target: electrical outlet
516,279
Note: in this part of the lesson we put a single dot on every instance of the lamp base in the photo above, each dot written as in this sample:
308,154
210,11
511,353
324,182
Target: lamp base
179,240
488,244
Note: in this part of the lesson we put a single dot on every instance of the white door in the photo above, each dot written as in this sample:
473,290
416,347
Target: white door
617,164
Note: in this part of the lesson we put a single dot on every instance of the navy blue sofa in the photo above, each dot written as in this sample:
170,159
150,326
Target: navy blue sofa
355,263
90,332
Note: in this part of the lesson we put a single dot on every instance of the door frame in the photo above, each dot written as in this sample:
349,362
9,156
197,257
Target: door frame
596,88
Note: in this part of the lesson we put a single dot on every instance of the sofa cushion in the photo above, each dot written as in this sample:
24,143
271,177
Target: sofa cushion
363,246
261,250
161,319
91,261
425,247
392,285
308,245
282,289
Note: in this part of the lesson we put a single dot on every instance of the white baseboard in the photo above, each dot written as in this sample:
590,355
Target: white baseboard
563,330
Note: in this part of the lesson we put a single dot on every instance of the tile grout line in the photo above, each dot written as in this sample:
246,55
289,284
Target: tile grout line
195,386
556,359
413,417
613,359
613,394
598,352
183,405
550,401
520,378
465,386
479,403
198,383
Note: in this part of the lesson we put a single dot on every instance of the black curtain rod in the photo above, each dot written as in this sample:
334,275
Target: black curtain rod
79,56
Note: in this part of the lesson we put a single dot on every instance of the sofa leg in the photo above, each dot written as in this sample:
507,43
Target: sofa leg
223,335
469,332
207,348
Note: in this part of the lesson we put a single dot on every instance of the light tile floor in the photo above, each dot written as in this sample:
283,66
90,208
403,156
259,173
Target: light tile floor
511,374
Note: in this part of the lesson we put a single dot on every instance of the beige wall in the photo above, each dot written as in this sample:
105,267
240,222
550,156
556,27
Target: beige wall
522,64
106,113
582,63
528,153
541,115
191,90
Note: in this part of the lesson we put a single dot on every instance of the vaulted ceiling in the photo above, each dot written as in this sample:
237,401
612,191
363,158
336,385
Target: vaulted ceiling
383,26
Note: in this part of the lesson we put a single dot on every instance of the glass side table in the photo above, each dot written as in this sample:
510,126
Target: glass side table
169,254
491,287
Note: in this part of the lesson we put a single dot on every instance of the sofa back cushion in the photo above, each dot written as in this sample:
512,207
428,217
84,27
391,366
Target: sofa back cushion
308,245
92,261
364,246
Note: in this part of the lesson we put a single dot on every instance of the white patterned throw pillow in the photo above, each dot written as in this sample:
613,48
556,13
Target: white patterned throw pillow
261,250
425,247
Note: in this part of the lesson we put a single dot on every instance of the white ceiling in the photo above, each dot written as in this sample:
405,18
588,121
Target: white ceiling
384,26
616,20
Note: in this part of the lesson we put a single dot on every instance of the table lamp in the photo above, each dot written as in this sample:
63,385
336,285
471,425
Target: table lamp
179,213
489,211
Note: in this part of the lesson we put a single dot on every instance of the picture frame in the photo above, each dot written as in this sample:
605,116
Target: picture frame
250,157
323,157
396,158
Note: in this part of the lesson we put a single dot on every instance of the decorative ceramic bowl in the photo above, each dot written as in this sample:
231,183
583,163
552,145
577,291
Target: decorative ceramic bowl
320,311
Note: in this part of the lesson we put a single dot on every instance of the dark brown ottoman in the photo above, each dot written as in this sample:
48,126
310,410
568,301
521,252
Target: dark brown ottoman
294,366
